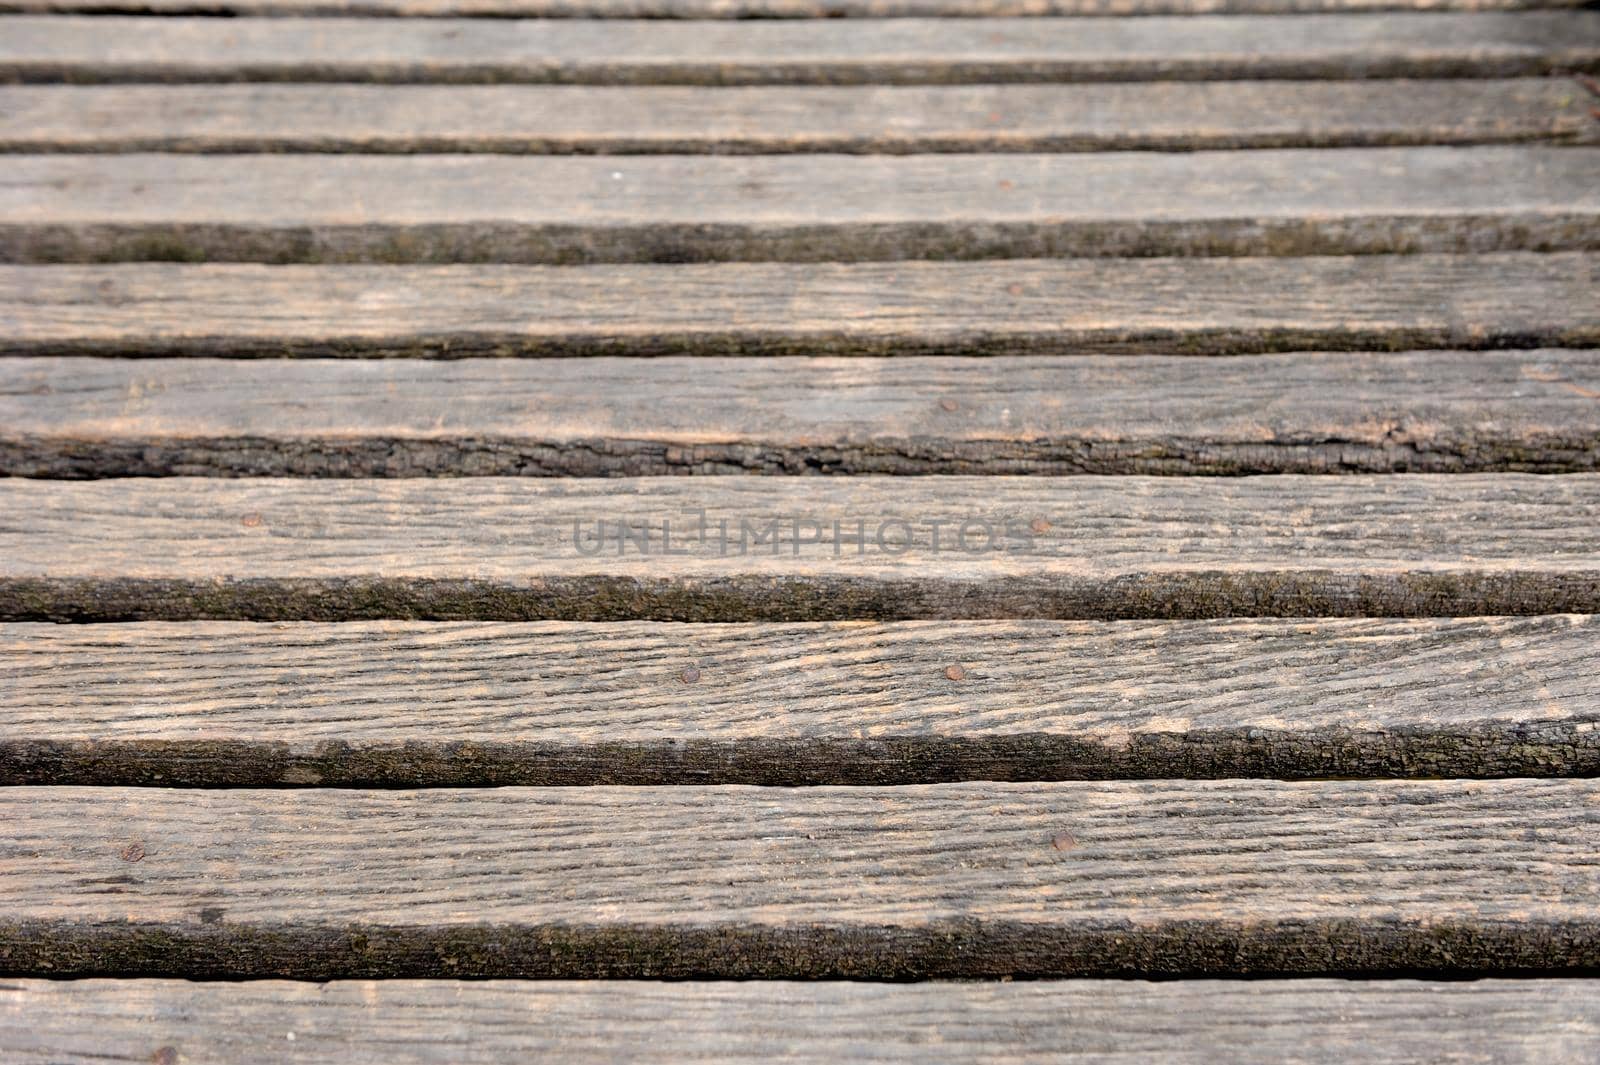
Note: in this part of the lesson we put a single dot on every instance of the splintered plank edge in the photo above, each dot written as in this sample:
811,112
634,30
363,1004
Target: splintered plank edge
1313,413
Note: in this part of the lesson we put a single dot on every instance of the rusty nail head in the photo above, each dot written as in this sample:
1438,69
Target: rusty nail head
1039,526
1064,841
690,674
165,1056
955,672
251,520
948,404
132,852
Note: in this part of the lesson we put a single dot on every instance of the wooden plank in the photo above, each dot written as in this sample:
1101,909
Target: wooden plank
559,120
1091,1022
735,9
1145,306
558,703
522,549
817,51
450,208
984,879
1417,412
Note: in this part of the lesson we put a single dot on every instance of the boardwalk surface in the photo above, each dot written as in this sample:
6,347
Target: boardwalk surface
730,530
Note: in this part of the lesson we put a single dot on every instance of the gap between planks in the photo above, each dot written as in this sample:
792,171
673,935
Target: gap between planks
569,210
1168,878
425,705
798,549
405,1022
866,120
1430,412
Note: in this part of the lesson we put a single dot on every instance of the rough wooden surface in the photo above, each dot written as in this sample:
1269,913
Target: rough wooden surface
704,9
1076,547
866,119
822,51
417,705
1102,878
1165,306
444,208
1427,412
1088,1022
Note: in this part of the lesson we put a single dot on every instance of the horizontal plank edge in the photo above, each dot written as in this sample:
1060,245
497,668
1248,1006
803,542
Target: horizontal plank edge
1013,307
242,705
798,549
407,1022
502,119
981,880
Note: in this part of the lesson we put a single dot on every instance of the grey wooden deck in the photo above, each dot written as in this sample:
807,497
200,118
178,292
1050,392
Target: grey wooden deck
799,530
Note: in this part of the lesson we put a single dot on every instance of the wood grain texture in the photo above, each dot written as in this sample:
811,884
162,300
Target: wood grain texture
820,51
992,879
738,9
521,549
1427,412
567,210
866,119
420,705
1016,307
1087,1022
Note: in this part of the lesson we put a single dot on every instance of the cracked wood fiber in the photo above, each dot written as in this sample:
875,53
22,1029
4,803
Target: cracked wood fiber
731,9
568,210
990,879
418,705
1431,412
1162,306
823,51
406,1022
1076,547
870,120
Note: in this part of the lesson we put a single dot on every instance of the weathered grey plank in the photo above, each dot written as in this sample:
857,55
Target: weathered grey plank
445,208
1428,412
412,1022
1077,547
604,120
823,51
1102,878
708,9
556,703
1145,306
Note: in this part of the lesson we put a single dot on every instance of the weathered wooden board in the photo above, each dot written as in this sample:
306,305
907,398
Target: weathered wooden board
982,879
556,703
1416,412
1090,1022
820,51
1075,547
445,208
1063,306
864,119
706,9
